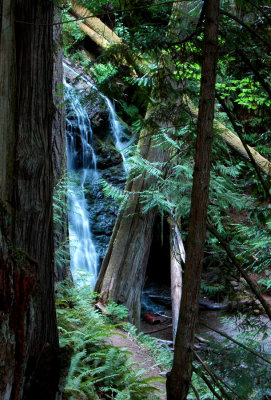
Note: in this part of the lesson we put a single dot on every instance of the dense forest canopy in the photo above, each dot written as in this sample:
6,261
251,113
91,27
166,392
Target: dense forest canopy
190,81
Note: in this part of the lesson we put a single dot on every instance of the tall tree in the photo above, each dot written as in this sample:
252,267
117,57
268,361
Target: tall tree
123,270
29,349
178,380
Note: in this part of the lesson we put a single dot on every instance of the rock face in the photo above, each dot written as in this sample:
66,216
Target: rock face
102,210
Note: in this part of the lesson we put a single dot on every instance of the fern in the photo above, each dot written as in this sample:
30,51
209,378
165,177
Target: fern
97,369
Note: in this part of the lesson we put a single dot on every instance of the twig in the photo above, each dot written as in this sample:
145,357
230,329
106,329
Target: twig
162,315
252,31
157,330
236,342
208,383
168,342
195,392
238,130
238,265
201,340
219,382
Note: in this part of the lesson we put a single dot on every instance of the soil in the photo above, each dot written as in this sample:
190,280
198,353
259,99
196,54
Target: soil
163,331
141,359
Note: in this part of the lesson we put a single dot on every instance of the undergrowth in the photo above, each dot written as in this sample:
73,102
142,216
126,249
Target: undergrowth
98,370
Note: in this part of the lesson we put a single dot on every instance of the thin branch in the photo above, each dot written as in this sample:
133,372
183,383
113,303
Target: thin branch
238,265
247,27
260,10
195,32
100,15
208,383
195,392
238,130
260,79
219,382
236,342
157,330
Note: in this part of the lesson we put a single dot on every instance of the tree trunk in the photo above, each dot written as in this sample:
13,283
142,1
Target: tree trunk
99,32
227,135
61,237
123,271
235,143
179,378
177,257
29,362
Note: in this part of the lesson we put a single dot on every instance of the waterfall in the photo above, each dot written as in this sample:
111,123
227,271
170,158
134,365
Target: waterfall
115,125
82,162
117,132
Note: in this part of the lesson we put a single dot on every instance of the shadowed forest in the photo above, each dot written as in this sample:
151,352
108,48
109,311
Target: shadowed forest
135,229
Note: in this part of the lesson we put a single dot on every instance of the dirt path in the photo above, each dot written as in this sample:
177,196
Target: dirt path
139,356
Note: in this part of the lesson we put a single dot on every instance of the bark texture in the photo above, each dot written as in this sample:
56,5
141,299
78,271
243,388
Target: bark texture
227,135
29,357
123,270
179,378
7,97
62,271
235,143
177,257
94,27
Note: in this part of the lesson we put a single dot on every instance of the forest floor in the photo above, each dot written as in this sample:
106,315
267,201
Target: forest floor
163,331
141,359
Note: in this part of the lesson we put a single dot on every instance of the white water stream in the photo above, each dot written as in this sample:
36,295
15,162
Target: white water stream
82,162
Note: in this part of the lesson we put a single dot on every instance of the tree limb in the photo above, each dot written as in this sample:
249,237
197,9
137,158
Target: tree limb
217,380
234,142
236,342
238,265
247,27
238,130
208,383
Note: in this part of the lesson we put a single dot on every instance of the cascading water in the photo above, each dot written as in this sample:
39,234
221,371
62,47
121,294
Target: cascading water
116,127
82,161
117,133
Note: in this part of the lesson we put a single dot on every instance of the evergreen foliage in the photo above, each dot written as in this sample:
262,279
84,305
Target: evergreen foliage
245,373
236,195
97,370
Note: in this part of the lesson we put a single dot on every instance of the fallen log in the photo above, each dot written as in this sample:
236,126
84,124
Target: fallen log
107,37
94,23
234,142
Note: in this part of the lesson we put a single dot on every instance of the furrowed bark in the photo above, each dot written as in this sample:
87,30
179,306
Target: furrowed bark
59,158
177,257
178,380
95,24
29,356
227,135
130,250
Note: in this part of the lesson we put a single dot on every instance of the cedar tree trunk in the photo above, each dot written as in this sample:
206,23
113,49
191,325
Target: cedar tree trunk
29,363
178,379
62,270
123,270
